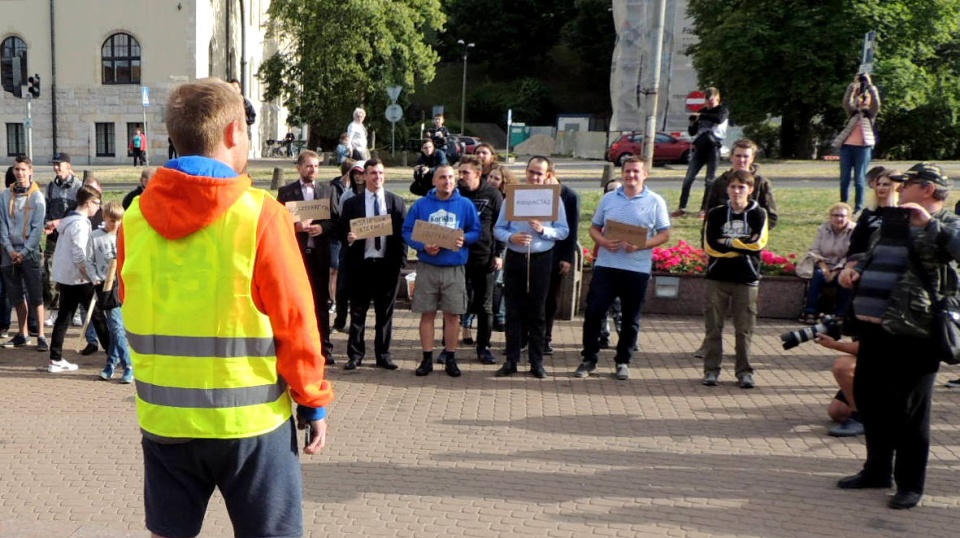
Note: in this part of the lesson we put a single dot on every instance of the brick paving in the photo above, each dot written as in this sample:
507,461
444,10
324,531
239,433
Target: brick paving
658,455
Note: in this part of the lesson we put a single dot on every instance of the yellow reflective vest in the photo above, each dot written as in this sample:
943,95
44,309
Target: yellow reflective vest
203,353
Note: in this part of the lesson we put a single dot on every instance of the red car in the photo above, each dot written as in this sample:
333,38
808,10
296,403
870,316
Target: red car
468,144
666,148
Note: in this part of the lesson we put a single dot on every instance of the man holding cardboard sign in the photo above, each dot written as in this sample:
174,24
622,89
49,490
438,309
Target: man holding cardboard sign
375,254
304,199
629,222
530,224
438,226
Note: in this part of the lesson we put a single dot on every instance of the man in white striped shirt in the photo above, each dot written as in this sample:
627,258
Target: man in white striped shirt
622,269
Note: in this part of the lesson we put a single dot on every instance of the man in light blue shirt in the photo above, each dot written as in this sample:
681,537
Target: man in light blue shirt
622,269
526,274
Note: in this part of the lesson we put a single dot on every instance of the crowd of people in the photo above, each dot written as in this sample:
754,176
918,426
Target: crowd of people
217,391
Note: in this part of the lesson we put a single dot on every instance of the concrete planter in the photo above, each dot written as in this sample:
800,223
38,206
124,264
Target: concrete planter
780,297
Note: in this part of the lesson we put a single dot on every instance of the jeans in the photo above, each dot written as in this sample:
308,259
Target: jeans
119,351
815,288
855,160
701,155
91,335
606,285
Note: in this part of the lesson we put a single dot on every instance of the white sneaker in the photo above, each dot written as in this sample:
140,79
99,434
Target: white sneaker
77,320
61,366
51,319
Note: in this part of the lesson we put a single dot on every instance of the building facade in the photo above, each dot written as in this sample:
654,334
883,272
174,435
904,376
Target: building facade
97,60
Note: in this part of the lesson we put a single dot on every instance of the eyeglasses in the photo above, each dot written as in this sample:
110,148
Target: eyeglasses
838,215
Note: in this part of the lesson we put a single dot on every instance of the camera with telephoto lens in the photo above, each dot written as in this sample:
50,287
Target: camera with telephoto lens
864,83
829,325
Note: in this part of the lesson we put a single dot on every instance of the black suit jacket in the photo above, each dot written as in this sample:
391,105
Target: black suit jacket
293,193
396,248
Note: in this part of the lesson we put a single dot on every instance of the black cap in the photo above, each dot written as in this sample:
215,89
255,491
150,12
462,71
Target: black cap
61,158
925,172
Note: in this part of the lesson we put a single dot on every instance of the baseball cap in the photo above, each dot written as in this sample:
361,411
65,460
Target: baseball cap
925,172
61,158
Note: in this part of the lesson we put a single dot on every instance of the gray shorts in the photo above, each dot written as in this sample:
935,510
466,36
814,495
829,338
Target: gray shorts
24,280
440,288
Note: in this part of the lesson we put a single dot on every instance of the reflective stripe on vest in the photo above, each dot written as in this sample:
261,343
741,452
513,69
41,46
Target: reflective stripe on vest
204,355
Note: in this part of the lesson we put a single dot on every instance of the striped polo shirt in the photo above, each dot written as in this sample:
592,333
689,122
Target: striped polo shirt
647,209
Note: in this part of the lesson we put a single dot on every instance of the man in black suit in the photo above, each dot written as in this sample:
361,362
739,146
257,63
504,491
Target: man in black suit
314,239
374,265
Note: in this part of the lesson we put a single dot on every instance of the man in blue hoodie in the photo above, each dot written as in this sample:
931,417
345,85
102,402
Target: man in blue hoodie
441,282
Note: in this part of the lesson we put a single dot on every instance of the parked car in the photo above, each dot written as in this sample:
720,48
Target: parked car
666,148
468,144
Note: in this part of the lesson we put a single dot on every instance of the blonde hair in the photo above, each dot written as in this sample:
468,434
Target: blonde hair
894,194
113,210
839,205
198,114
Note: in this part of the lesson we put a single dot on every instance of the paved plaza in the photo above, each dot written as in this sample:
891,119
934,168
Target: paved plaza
658,455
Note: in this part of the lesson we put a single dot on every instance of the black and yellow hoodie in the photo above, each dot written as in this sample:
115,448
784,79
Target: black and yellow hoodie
733,242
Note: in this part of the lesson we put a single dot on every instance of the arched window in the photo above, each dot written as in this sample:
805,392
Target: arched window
120,56
12,47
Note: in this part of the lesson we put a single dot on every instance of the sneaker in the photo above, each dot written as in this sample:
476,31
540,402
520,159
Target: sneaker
51,319
953,383
623,372
486,357
583,371
333,308
127,377
107,373
849,428
711,379
17,341
746,381
547,349
61,365
42,345
5,333
677,214
77,320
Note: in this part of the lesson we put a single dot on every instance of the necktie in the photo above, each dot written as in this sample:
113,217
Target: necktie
376,211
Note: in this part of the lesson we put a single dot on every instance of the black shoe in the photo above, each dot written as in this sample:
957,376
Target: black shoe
486,357
469,341
498,327
426,366
538,372
859,481
89,350
604,343
351,364
904,500
508,368
329,361
547,349
386,364
451,368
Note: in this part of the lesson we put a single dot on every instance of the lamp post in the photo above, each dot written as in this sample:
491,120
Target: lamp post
463,96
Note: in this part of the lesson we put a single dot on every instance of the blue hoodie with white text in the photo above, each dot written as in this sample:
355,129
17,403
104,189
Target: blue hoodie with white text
455,212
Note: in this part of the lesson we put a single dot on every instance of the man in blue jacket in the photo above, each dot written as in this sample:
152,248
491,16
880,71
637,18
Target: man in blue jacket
441,282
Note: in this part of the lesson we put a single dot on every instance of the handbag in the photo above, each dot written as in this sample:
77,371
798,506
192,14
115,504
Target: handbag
807,265
946,309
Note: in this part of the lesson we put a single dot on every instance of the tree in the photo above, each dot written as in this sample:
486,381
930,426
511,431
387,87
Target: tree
794,59
339,54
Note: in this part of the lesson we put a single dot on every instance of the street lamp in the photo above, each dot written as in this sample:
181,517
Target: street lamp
463,96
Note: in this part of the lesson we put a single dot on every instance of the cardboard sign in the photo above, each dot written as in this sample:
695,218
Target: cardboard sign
619,231
309,210
429,233
533,202
378,226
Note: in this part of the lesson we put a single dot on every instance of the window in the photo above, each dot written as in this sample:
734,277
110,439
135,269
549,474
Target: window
16,140
12,47
120,56
131,130
106,140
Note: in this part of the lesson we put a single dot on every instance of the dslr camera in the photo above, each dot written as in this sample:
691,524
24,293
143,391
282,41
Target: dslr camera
829,325
864,83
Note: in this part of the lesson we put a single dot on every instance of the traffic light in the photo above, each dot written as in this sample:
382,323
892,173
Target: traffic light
34,85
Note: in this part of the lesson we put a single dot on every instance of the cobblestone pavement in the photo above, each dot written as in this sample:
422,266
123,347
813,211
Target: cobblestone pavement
658,455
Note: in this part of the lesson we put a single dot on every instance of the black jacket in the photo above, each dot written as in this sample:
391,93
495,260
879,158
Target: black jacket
487,201
740,261
396,248
292,192
565,249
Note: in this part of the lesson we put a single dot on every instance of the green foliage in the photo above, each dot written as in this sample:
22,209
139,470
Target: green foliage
794,59
336,55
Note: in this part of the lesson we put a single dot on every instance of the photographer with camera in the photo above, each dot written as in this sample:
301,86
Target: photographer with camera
917,249
708,127
855,142
842,407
